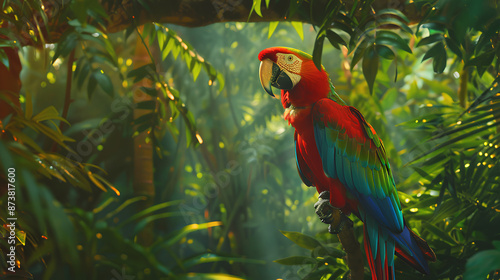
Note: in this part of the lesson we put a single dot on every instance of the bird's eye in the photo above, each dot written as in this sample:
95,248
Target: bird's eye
290,58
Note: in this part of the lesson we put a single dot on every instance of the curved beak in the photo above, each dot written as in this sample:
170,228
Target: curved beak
272,75
265,74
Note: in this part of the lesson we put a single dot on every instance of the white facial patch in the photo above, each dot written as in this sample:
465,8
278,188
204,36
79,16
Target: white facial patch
291,64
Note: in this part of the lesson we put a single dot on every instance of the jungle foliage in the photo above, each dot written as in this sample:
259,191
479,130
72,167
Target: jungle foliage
224,173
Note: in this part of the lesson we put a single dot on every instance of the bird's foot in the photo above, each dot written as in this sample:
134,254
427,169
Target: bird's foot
330,215
324,209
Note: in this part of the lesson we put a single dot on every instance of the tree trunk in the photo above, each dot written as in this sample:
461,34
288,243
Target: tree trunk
143,183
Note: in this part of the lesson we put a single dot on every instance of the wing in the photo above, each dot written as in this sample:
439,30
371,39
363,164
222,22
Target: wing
352,152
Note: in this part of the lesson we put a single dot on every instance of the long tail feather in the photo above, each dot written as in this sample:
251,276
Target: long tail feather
415,251
381,263
380,247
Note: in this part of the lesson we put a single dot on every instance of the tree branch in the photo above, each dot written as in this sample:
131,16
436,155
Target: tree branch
354,256
191,13
353,250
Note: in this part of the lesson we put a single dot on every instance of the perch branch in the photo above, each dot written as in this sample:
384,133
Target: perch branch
351,246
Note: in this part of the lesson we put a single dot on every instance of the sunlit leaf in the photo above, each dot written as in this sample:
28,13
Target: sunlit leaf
256,7
49,113
299,28
124,205
178,235
152,209
272,27
207,276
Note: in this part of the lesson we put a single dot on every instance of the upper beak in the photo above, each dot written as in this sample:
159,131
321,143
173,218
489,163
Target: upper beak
272,75
265,74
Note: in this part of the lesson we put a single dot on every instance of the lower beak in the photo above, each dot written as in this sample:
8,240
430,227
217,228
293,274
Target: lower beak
272,75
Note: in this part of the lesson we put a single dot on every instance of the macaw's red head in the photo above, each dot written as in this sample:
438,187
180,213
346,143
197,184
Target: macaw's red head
294,72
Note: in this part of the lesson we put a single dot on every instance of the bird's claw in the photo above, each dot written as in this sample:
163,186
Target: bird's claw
323,208
330,215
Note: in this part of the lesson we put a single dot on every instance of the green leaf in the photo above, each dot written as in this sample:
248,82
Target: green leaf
296,260
299,28
385,52
318,50
370,66
149,91
207,276
66,45
6,159
148,105
196,70
483,59
83,73
272,27
440,233
385,37
302,240
104,82
437,52
21,236
454,47
439,62
335,39
179,234
147,118
141,72
342,26
92,84
358,53
124,205
168,48
393,12
396,22
430,39
316,274
256,6
49,113
152,209
220,78
209,257
482,263
25,139
162,38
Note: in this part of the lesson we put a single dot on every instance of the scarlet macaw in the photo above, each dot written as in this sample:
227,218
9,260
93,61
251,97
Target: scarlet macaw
341,155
